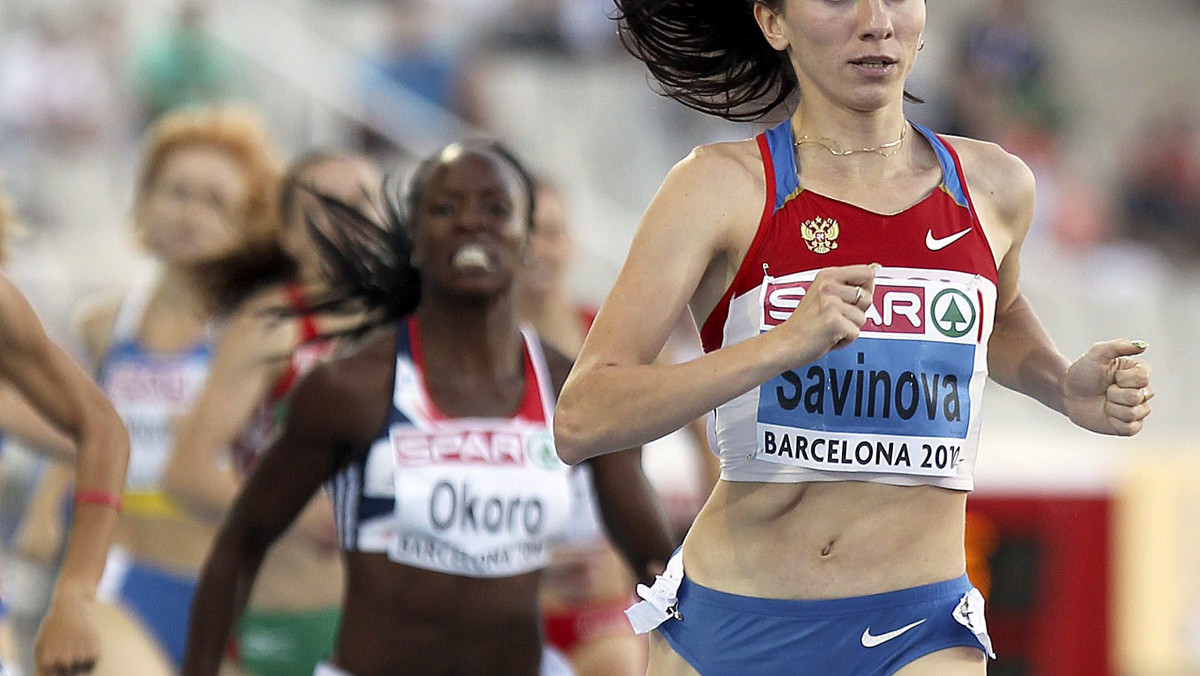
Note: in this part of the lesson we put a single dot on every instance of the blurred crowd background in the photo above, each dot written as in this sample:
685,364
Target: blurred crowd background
1101,99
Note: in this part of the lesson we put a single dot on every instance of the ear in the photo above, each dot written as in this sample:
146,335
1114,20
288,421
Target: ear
772,27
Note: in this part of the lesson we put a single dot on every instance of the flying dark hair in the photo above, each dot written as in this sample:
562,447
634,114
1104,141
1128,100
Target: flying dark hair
710,55
369,256
229,280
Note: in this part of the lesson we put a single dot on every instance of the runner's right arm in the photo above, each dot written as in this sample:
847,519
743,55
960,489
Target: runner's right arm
333,415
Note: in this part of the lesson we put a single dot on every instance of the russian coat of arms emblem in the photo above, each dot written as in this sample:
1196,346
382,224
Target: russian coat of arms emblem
820,234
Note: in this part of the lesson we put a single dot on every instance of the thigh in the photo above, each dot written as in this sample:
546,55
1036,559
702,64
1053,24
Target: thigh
126,647
666,662
949,662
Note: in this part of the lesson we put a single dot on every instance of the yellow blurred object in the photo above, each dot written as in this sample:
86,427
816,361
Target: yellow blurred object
1157,565
150,503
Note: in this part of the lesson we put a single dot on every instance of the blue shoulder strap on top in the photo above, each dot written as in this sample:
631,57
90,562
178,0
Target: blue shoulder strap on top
787,183
949,170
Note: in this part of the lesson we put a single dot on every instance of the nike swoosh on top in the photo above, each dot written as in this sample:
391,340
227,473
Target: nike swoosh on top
870,641
935,243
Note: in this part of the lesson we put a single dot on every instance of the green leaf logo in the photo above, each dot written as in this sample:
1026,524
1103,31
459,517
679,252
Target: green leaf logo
540,448
953,313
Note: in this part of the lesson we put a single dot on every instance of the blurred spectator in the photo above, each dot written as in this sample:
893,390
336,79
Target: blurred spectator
587,27
57,106
1068,212
1160,186
422,61
181,67
52,83
534,25
1003,69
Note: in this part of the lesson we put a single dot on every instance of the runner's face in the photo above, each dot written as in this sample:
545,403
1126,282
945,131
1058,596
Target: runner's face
352,181
471,229
855,52
194,207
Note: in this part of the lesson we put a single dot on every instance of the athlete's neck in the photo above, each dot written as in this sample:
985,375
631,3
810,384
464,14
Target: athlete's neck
849,129
178,290
477,336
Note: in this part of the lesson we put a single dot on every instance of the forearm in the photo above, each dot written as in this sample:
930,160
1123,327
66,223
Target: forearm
205,492
605,408
632,514
1022,356
221,597
87,549
22,421
100,468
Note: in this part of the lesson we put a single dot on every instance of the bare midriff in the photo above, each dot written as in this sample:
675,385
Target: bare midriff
825,540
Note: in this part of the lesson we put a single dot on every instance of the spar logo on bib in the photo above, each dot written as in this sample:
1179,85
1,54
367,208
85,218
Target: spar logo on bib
896,308
952,313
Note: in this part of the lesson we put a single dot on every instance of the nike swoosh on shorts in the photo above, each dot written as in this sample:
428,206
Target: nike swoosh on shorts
869,641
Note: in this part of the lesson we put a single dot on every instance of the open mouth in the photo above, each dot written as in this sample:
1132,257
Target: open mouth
876,62
472,257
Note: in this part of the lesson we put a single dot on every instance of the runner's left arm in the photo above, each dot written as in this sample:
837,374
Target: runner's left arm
1106,390
60,390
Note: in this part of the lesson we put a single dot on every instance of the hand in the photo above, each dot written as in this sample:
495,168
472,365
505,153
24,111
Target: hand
67,642
831,314
1107,390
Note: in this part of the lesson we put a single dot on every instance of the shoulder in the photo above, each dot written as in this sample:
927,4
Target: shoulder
735,166
95,321
348,395
998,178
712,191
367,364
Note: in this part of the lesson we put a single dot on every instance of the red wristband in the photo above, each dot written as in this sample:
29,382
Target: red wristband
103,498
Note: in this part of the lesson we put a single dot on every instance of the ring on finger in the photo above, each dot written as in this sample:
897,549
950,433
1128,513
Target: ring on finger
1145,395
858,294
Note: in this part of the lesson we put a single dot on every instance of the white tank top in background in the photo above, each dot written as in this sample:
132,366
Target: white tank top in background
478,497
150,391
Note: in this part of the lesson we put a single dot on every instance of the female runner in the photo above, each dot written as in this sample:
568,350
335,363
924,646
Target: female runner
856,275
434,435
47,401
206,189
292,617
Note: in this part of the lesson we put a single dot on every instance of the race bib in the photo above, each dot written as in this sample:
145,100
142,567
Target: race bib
477,501
151,436
149,397
896,400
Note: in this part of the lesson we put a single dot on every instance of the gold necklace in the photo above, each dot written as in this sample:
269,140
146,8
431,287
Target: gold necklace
887,149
